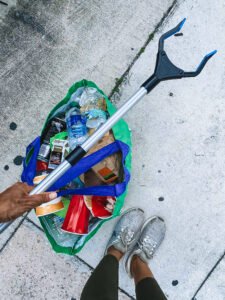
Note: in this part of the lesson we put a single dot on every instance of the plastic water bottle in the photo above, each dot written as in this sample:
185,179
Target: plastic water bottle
76,127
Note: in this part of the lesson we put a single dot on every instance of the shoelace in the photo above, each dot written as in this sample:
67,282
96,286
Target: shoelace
148,246
126,236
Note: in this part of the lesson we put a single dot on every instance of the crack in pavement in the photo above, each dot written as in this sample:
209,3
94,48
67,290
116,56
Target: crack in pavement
157,27
12,234
111,95
25,218
115,91
77,257
208,276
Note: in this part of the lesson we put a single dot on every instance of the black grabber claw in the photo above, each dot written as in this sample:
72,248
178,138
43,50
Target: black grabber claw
165,69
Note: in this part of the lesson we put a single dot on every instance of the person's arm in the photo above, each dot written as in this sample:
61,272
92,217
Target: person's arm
15,201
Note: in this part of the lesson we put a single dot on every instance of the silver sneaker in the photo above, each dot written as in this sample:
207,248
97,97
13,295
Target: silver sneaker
127,230
152,234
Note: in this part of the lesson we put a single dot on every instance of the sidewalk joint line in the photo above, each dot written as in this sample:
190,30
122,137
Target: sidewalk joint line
12,234
33,223
142,49
78,258
208,275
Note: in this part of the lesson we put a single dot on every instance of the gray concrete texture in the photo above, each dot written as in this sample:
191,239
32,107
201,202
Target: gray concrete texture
47,275
182,136
178,129
46,46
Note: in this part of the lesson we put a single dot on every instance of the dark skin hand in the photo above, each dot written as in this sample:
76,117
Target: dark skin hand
15,201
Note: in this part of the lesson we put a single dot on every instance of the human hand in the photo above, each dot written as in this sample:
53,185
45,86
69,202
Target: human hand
15,201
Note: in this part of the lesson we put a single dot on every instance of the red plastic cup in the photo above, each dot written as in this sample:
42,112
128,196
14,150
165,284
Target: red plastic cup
77,217
102,206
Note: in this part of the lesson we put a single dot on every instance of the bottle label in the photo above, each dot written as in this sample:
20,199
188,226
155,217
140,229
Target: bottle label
78,130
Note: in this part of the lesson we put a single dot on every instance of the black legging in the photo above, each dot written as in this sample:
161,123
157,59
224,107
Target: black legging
103,283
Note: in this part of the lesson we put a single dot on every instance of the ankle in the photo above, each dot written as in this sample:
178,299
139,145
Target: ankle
113,251
135,264
139,269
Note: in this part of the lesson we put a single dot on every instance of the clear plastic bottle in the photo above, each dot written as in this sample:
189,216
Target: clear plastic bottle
76,127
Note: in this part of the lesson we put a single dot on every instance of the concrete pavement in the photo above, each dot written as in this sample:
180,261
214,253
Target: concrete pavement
39,273
178,136
45,47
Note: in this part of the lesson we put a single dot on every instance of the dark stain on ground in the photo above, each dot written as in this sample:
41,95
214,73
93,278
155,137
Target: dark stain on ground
175,282
159,171
6,167
32,22
13,126
18,160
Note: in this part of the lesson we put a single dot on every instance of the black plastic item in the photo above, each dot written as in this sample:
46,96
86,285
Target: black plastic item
165,69
76,155
1,2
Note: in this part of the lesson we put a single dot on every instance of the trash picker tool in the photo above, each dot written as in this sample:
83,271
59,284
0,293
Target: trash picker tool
164,70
